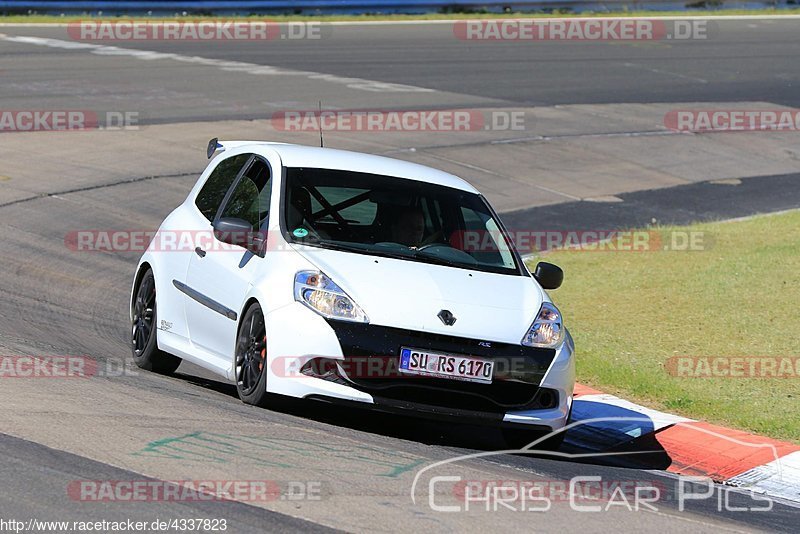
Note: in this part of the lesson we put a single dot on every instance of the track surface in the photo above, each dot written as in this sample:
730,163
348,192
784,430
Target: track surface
191,426
40,474
741,60
61,302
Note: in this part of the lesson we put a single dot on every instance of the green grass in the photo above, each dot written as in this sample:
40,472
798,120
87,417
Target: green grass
40,19
630,311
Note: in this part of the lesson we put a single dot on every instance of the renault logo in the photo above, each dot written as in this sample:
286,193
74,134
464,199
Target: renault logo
446,317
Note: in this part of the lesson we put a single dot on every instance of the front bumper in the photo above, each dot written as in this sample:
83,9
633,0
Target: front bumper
531,387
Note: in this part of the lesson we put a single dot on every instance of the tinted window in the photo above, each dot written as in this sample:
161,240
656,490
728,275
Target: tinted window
213,191
250,198
360,211
395,217
482,237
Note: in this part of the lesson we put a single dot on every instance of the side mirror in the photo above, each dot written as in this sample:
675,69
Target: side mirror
548,275
234,231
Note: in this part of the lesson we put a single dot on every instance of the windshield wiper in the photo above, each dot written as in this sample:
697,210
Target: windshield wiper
361,248
438,259
337,245
445,261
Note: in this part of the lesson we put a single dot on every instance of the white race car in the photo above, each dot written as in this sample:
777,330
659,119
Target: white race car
356,279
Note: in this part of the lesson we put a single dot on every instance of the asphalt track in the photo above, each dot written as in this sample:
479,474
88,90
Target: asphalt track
739,60
39,475
678,205
57,302
136,425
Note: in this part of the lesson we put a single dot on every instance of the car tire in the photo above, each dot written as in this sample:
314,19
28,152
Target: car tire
144,346
250,358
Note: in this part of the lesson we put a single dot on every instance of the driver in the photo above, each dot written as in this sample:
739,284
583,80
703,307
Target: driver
408,227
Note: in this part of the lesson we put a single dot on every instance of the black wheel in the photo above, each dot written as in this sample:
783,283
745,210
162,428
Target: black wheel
251,358
145,350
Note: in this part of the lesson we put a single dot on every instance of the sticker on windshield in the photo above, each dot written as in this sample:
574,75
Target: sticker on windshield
300,232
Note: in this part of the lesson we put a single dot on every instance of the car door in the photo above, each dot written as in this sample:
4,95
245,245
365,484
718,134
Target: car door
220,274
183,229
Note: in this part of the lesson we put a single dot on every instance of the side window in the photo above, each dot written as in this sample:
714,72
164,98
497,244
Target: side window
213,191
472,220
487,242
250,199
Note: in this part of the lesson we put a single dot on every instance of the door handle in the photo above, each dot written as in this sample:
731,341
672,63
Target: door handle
200,252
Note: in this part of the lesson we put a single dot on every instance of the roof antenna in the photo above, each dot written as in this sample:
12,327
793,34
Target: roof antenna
321,144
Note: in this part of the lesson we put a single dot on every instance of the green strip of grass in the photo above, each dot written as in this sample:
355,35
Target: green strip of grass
630,312
44,19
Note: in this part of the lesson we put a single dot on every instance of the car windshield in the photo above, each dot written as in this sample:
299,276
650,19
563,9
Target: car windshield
394,217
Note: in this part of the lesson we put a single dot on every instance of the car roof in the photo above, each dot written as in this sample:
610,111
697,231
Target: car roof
330,158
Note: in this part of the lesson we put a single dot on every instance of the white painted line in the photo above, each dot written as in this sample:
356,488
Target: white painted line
666,72
738,490
779,478
225,65
760,215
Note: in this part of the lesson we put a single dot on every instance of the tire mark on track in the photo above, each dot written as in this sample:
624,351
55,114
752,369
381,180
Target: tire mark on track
98,186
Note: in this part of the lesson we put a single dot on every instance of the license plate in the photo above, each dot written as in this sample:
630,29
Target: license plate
435,364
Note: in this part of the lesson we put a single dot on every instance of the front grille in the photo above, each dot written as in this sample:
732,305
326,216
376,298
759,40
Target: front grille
518,370
499,396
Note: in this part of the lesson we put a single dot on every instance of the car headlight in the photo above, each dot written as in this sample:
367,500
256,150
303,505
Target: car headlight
547,329
322,295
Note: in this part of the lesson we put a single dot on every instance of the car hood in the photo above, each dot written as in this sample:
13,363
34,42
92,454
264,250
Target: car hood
409,294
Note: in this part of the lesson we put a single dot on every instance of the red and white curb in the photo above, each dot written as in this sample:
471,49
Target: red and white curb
695,448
